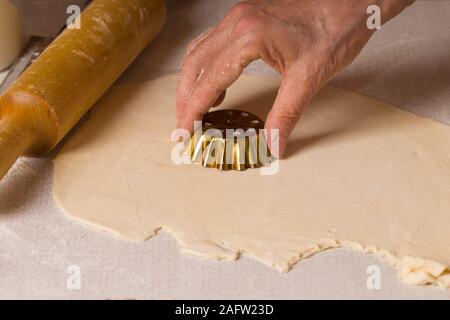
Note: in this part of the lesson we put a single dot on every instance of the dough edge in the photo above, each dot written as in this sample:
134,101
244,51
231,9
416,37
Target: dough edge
412,270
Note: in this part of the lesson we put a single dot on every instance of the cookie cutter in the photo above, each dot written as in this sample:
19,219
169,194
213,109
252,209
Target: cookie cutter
229,140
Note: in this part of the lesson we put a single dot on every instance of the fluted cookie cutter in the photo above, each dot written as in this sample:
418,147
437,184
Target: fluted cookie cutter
230,140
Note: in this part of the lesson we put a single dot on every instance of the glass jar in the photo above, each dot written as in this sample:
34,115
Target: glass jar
11,34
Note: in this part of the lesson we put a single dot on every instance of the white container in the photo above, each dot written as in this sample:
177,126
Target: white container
11,34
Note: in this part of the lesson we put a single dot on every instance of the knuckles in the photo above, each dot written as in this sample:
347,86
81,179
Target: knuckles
250,24
240,9
291,115
247,19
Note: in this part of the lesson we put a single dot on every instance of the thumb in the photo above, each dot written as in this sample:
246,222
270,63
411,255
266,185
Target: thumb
294,94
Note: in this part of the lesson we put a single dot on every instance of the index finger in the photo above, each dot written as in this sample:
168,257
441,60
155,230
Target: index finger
213,81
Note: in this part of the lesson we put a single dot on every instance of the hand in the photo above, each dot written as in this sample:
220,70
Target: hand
307,41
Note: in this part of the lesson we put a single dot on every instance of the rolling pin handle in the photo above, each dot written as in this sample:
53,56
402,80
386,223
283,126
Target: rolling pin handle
14,142
51,96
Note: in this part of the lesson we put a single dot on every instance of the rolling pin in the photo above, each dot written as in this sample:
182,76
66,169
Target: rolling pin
51,96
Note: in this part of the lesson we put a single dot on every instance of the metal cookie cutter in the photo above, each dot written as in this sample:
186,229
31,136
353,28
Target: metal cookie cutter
230,140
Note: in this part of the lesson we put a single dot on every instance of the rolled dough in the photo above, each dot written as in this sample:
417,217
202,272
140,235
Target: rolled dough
359,173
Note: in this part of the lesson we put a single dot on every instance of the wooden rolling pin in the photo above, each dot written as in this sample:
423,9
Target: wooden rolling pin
52,95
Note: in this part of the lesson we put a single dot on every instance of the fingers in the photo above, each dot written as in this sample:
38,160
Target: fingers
294,94
193,44
215,79
201,55
220,99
